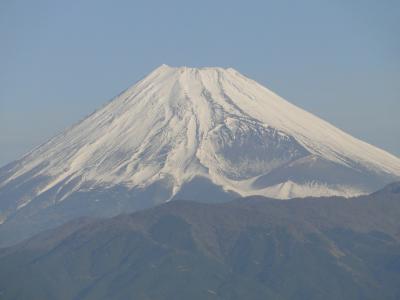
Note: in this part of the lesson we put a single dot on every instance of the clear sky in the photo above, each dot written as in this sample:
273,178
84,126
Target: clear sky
60,60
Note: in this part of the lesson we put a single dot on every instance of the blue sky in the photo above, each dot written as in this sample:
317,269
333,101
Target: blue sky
60,60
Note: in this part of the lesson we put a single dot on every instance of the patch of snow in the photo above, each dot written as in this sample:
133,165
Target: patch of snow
188,122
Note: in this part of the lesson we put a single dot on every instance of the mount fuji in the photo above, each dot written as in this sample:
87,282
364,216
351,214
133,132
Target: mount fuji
206,134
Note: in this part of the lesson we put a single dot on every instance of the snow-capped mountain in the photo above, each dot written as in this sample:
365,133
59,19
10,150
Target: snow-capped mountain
187,132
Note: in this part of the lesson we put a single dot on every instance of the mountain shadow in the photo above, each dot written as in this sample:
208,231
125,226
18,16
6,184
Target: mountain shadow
250,248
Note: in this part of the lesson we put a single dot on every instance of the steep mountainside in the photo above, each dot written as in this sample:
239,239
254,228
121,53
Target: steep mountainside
252,248
179,131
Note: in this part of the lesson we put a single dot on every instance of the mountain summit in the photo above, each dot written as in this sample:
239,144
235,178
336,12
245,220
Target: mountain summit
181,132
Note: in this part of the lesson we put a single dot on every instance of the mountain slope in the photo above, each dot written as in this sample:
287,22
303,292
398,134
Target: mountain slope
253,248
178,127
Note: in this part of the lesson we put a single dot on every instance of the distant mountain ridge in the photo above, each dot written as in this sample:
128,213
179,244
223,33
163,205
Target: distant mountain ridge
251,248
175,133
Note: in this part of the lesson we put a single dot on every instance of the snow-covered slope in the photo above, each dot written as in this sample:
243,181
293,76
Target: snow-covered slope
178,124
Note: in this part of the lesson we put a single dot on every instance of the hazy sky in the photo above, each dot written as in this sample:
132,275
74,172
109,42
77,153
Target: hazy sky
60,60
